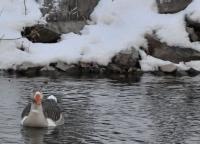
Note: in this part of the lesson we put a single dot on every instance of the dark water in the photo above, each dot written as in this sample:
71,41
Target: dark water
151,110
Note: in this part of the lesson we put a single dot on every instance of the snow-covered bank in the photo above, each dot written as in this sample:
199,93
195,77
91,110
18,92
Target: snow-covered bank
116,25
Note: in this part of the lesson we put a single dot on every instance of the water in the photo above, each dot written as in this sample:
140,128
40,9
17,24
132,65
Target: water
150,110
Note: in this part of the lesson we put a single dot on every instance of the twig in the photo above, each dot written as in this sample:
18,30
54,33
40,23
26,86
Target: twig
1,12
10,38
25,8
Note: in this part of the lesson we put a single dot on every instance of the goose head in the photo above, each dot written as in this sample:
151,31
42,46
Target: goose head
37,98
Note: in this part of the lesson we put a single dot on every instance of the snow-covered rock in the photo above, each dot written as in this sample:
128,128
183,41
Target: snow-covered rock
101,46
174,54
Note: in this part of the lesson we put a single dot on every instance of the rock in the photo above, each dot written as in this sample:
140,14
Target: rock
67,68
172,6
181,73
89,67
113,68
168,68
28,69
66,26
62,66
68,10
47,68
126,58
192,72
193,29
126,61
170,53
192,34
39,33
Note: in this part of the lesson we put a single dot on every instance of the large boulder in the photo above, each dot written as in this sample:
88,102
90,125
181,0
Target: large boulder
38,33
68,10
170,53
172,6
64,16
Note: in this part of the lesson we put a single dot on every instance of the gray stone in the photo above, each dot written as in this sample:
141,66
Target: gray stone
126,58
192,35
168,68
126,61
89,67
170,53
172,6
192,72
62,66
113,68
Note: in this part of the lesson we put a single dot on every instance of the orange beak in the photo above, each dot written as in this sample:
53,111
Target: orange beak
37,99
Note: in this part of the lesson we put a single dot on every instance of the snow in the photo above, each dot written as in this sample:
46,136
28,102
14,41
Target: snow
116,25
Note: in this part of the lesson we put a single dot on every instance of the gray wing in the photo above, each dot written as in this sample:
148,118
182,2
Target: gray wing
26,110
51,109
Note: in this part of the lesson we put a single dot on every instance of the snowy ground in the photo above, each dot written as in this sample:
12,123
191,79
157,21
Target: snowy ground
115,25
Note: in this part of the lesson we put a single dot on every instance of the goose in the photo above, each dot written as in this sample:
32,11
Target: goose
42,113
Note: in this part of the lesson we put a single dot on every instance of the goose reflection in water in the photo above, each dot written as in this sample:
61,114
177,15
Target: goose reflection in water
38,135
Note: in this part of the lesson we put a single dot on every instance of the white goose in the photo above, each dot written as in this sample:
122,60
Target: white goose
40,113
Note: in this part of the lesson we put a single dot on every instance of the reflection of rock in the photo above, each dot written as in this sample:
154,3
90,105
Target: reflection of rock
170,53
193,29
39,33
172,6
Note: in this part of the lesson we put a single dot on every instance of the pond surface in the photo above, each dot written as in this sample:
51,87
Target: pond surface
151,110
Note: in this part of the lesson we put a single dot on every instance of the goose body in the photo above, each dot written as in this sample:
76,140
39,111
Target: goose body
41,113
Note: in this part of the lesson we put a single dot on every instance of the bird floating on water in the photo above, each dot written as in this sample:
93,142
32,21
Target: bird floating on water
42,113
